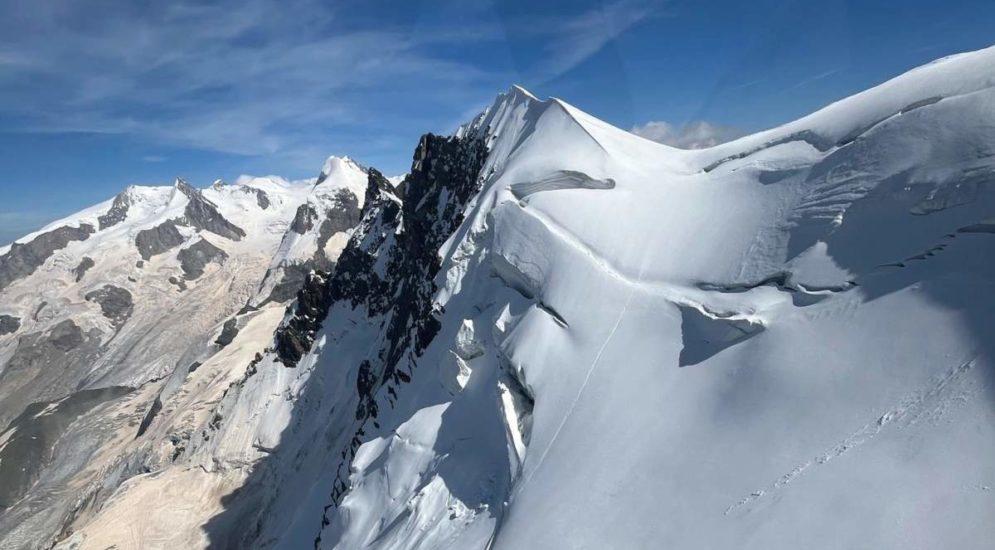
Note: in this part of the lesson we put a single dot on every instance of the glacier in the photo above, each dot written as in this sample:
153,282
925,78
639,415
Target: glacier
118,305
551,333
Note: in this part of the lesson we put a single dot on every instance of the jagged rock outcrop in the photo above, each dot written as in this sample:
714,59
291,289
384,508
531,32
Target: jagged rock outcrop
203,214
84,265
199,213
115,303
294,337
342,215
356,280
385,274
304,219
194,258
156,240
49,364
9,324
228,332
320,228
117,213
23,259
353,274
403,235
262,199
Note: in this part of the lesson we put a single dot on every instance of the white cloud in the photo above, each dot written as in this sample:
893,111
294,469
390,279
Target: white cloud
694,135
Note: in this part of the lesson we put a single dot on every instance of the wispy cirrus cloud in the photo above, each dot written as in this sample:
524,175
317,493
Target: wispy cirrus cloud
572,40
253,77
814,78
291,79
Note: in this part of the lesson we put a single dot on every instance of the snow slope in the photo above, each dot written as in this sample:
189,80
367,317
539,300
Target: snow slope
115,309
556,334
318,232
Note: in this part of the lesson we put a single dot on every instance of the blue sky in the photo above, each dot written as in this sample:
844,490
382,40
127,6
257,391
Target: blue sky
99,94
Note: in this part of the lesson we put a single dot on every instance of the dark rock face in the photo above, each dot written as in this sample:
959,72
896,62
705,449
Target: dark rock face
356,282
228,332
203,214
46,366
344,215
444,169
195,257
262,199
84,265
387,273
366,382
115,302
445,175
9,324
200,213
150,415
31,447
443,178
159,239
294,338
180,284
304,219
117,212
292,281
294,275
341,217
65,336
23,259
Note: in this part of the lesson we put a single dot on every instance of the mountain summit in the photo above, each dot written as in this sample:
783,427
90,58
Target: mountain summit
551,334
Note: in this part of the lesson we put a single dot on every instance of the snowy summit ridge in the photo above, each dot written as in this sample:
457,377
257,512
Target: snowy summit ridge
551,334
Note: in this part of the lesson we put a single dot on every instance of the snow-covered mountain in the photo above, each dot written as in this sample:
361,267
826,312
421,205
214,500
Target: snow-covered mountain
106,313
555,334
319,229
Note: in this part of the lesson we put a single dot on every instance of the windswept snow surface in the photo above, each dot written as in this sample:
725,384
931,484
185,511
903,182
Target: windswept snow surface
836,401
784,341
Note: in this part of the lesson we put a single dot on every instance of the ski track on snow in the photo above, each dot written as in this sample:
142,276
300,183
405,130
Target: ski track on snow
583,385
928,405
